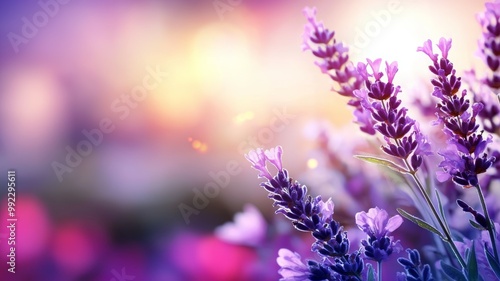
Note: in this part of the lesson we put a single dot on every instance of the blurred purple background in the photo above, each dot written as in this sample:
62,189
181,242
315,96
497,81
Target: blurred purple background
223,77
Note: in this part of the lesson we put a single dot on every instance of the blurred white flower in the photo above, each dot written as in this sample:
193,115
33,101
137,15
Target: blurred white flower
249,228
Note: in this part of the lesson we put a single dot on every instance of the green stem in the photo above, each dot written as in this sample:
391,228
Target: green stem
379,269
426,214
491,228
440,221
428,200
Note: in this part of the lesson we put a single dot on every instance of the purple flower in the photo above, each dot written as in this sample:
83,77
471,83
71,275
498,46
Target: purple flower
414,269
489,45
375,66
308,214
403,138
478,217
364,119
423,145
326,208
377,222
427,49
459,118
451,164
249,228
258,159
444,45
377,225
334,61
349,267
361,69
273,155
483,94
292,267
362,95
391,70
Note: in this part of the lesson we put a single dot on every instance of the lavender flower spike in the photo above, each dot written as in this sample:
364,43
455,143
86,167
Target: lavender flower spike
308,214
333,60
489,46
464,163
404,140
460,125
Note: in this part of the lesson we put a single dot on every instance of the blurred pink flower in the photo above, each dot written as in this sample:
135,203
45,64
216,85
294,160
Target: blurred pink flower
33,228
77,246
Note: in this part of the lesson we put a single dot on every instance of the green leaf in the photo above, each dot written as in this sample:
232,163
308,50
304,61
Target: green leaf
383,162
493,262
452,272
472,272
420,222
441,210
476,225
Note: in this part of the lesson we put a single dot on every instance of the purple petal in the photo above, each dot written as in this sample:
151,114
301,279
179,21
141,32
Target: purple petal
258,160
444,45
379,218
482,145
292,267
476,108
442,176
249,228
326,208
391,70
323,66
274,156
362,95
363,221
364,119
393,223
310,14
427,49
375,66
361,68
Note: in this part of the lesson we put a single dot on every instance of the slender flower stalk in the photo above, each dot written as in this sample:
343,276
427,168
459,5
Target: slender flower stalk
491,225
465,158
379,270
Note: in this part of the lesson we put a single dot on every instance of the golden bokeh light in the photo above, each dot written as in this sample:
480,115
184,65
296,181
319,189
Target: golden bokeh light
312,163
